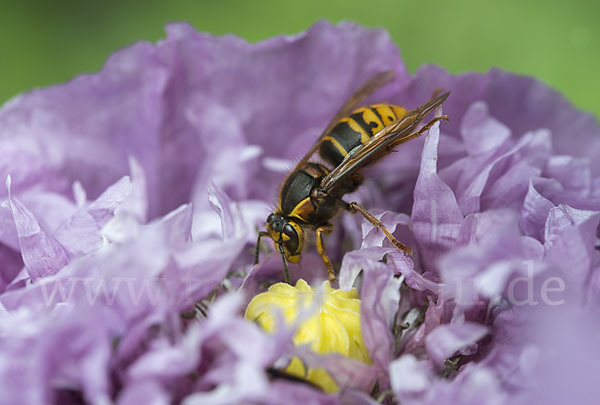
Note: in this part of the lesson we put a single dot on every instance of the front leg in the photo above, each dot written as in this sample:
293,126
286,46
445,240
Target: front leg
325,229
257,249
354,208
285,262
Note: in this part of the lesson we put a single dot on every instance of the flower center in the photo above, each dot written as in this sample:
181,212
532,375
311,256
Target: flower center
331,326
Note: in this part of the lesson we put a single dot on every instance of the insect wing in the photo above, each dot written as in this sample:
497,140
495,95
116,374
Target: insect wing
370,86
381,143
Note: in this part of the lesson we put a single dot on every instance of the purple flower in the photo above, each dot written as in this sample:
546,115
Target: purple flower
133,197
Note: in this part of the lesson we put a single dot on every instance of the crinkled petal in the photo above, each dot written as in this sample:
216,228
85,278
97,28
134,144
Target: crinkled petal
146,392
570,241
168,361
80,233
380,296
482,133
42,254
522,103
447,340
409,376
436,217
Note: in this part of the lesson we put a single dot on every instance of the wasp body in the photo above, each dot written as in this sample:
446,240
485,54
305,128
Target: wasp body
356,130
312,193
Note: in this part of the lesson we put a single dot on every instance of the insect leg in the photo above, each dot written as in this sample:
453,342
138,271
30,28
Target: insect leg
260,235
327,228
354,208
285,265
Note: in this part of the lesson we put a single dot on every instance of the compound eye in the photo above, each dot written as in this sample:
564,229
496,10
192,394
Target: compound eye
270,218
289,231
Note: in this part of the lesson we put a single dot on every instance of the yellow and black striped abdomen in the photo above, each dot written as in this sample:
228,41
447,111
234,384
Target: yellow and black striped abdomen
356,129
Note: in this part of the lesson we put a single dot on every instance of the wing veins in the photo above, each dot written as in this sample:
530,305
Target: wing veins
370,86
398,132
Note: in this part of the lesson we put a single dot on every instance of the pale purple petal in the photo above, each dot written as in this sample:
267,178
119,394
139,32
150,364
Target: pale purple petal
372,236
445,341
165,361
492,252
11,263
436,217
409,376
380,296
80,233
301,394
522,103
482,133
565,354
473,386
348,373
42,254
570,240
414,382
413,341
483,177
536,208
355,261
146,392
40,370
351,397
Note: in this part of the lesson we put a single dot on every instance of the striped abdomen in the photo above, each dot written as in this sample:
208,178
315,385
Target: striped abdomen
356,129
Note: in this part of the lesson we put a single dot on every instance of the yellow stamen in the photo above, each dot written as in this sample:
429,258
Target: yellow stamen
334,327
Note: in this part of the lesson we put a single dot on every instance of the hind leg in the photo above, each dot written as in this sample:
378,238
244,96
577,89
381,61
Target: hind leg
354,208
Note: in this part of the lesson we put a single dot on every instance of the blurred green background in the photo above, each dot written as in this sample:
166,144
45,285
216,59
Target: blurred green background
47,42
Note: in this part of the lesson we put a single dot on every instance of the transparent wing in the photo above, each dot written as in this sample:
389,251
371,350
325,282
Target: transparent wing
371,85
382,143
